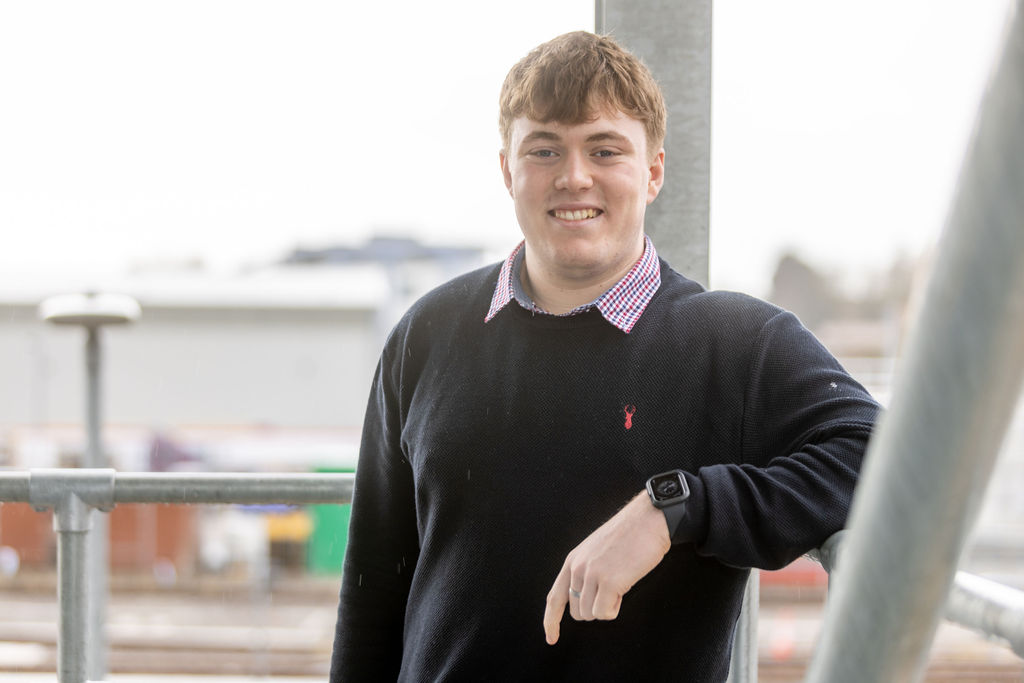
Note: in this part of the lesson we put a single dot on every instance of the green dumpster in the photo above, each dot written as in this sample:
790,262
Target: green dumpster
327,542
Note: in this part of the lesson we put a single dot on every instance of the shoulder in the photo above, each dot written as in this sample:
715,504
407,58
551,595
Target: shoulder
448,307
690,303
729,324
464,294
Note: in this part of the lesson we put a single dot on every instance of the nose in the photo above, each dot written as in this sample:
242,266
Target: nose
574,175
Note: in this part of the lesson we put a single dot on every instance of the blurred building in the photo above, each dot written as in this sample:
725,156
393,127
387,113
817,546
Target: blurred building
867,330
268,368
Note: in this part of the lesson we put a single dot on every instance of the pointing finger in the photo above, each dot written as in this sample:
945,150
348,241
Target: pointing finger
558,598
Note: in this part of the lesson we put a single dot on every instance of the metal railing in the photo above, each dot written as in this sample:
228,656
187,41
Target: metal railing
75,496
988,608
932,454
743,663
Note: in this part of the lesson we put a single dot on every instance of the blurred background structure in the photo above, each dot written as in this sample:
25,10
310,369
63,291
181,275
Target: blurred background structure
238,188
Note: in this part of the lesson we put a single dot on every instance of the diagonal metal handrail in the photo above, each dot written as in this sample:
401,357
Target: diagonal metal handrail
932,454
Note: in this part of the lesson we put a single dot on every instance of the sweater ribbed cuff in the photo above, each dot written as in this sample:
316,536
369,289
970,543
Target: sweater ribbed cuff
693,526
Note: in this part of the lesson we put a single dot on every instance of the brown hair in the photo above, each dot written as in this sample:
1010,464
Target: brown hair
577,76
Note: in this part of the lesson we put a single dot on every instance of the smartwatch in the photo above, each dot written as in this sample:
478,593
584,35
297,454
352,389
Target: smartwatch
668,492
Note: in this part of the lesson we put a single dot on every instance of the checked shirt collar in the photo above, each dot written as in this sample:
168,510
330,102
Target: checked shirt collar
622,305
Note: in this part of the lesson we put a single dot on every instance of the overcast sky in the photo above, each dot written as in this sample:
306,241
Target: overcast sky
231,131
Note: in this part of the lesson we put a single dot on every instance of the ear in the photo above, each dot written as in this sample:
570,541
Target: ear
506,172
657,175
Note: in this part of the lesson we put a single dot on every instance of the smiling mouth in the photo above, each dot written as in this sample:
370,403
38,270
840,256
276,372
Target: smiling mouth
575,215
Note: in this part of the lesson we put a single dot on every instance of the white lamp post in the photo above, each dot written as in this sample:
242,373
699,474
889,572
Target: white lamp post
92,311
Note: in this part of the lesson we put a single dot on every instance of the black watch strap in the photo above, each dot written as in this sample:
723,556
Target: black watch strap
674,515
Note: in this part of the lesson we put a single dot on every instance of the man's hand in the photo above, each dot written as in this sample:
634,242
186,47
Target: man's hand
601,569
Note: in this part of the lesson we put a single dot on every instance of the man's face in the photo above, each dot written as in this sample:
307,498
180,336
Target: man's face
580,193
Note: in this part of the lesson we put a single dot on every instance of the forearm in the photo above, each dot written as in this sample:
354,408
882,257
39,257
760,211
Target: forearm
803,431
765,517
368,632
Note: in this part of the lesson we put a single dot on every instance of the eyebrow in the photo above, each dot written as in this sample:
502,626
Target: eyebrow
540,135
554,137
607,135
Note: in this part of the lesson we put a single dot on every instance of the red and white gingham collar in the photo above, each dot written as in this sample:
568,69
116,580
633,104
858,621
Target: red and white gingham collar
622,305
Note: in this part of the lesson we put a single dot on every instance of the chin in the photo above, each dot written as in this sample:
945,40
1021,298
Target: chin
582,264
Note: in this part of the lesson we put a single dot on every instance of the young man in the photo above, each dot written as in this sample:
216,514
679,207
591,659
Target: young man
583,428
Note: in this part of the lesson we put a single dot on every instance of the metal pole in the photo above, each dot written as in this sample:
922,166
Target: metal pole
932,455
73,643
91,311
743,665
93,359
241,489
44,488
988,607
974,602
99,547
828,554
74,495
674,40
14,487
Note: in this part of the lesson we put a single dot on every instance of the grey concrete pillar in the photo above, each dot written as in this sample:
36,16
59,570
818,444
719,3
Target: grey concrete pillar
673,37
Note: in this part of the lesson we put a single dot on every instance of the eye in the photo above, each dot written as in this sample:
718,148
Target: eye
543,153
605,153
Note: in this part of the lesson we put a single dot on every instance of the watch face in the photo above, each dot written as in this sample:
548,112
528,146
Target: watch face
667,486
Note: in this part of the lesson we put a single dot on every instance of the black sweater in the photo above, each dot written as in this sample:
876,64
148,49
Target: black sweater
491,450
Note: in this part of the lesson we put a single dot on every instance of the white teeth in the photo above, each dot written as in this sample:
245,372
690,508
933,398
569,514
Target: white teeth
577,215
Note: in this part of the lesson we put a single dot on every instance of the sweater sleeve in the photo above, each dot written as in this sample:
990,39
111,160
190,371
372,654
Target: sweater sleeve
383,543
805,425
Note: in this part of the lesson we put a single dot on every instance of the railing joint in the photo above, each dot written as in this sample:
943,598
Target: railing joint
72,494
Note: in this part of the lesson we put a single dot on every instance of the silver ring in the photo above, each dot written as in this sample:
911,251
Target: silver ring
574,594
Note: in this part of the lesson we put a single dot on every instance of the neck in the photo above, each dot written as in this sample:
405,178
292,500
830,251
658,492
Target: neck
559,293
